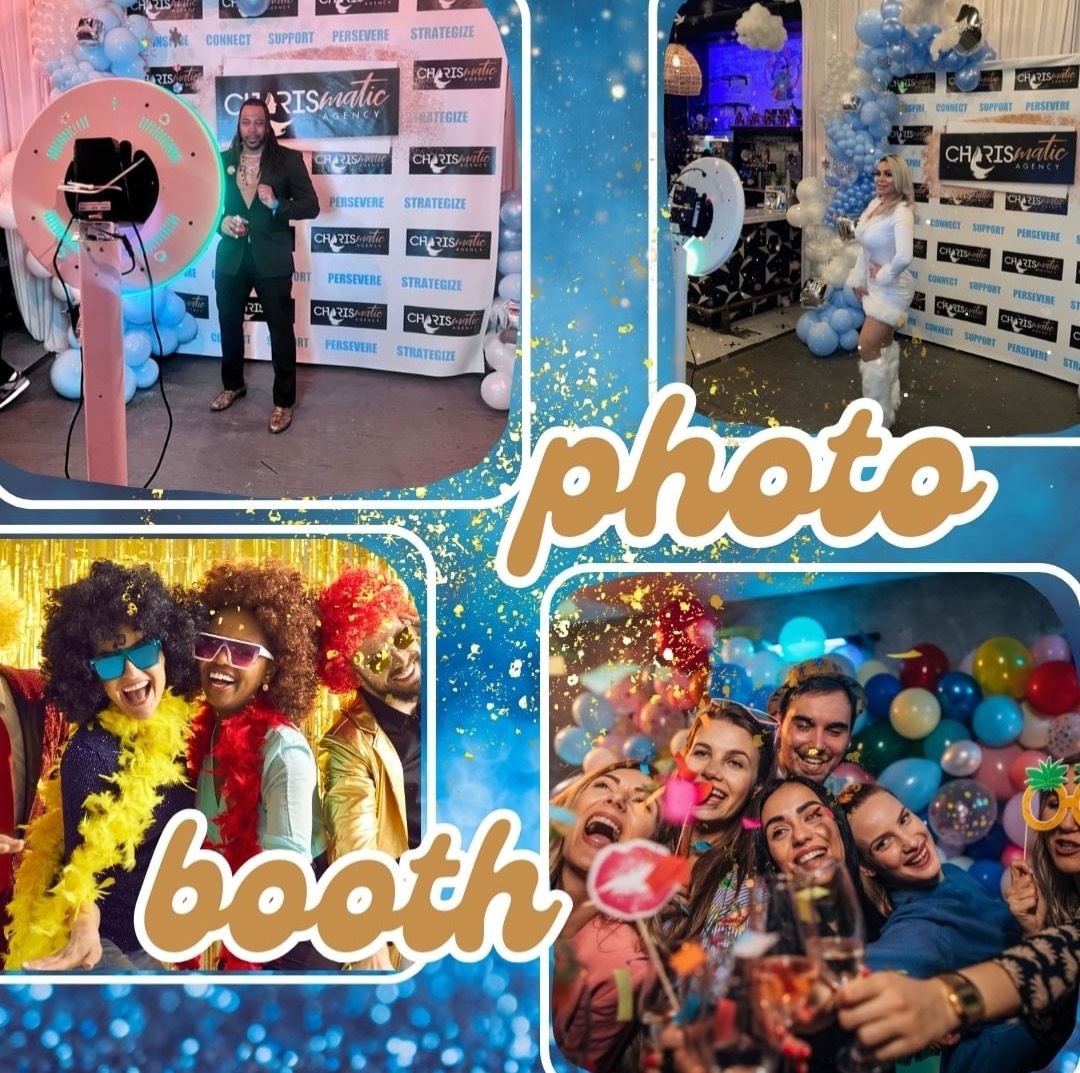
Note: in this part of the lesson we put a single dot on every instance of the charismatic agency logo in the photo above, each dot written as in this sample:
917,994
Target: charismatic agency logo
908,85
922,192
457,74
918,248
253,310
1031,264
969,199
361,103
1025,324
323,163
198,305
955,309
989,82
957,254
1033,79
168,10
1045,156
919,135
1055,206
452,160
184,79
278,9
355,7
456,322
918,302
340,314
367,240
1074,337
431,242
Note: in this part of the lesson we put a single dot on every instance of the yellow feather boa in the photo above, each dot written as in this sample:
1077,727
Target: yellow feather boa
113,826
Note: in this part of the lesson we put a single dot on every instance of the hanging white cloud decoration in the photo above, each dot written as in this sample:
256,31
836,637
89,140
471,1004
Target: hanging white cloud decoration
758,29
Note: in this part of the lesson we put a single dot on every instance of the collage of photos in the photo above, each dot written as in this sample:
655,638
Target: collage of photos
539,538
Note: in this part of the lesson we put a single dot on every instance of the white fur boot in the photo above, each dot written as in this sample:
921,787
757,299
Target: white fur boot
891,354
877,383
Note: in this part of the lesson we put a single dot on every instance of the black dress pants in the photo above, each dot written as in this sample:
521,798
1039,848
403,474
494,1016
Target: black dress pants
275,295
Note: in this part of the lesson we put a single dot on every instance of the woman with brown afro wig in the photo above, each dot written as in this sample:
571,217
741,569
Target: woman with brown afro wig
254,771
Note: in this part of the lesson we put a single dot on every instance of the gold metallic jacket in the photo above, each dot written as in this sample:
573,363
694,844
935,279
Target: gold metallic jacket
363,786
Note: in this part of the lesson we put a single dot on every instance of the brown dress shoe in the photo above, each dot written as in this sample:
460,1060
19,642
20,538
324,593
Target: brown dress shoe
281,418
227,398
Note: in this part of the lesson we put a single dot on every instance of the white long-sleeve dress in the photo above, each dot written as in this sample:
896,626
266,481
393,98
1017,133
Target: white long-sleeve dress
887,241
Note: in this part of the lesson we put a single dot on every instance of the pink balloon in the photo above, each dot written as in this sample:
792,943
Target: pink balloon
993,772
1018,768
1012,819
675,691
659,722
1064,736
1011,853
625,696
1048,648
597,757
843,775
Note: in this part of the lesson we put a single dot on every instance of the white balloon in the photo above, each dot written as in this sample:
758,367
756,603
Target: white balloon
495,390
7,211
1036,732
36,268
7,169
64,293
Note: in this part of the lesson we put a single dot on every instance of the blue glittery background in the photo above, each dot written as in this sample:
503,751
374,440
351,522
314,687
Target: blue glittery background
590,168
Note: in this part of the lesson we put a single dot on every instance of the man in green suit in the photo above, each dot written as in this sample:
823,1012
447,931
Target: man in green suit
266,187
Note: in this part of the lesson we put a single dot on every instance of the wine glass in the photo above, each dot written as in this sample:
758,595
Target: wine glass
783,993
829,917
830,922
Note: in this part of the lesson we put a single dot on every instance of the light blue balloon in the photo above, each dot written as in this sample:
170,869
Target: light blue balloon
129,383
802,637
803,326
510,211
510,286
571,744
107,16
136,69
187,329
639,748
252,9
121,47
822,340
173,310
509,261
146,374
967,80
840,319
509,238
143,29
168,341
592,713
136,308
998,720
868,28
65,374
137,344
849,340
913,780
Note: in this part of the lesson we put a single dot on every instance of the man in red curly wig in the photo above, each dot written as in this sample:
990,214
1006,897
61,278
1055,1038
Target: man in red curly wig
369,760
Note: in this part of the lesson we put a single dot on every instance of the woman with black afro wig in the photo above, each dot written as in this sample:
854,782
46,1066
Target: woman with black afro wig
117,661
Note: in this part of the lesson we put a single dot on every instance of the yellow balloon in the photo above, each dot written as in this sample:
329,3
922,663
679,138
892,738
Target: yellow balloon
914,713
1002,665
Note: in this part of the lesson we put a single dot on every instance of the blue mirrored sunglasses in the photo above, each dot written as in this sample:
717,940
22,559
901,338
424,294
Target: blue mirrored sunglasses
110,666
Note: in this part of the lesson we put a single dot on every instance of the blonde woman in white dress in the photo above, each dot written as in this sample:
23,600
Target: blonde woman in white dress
882,282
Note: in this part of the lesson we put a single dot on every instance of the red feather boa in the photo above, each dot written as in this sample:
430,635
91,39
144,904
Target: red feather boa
238,752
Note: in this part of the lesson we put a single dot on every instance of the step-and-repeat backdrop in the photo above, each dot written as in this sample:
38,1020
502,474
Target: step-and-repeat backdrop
398,107
997,235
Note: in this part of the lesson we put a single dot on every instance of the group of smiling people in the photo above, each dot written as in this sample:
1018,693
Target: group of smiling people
764,811
196,698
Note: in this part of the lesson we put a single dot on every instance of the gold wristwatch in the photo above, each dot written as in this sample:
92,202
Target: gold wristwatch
964,999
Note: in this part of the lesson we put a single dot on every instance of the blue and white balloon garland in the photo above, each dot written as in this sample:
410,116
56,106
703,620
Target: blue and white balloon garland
79,41
897,39
501,342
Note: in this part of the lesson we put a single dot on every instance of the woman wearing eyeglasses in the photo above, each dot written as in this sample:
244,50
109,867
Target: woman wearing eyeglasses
117,663
254,771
